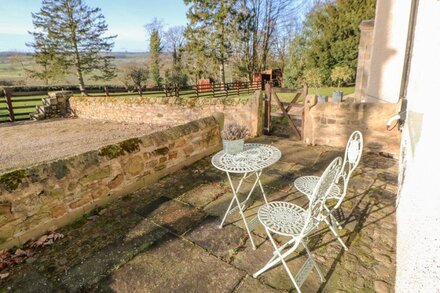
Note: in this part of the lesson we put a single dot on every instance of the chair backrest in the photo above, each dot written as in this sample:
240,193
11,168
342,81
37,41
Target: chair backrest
352,157
321,192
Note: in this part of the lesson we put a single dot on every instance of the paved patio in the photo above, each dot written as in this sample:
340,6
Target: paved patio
165,238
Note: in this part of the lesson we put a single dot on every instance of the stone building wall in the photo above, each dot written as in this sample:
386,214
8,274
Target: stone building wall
364,59
332,123
170,111
51,194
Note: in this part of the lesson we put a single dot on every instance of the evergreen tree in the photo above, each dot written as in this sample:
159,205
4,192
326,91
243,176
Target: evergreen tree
332,34
154,30
211,28
69,34
48,69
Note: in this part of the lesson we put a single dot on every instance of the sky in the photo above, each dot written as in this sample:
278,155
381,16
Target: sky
125,18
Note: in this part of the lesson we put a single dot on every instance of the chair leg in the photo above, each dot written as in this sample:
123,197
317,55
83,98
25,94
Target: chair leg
321,276
335,233
276,258
333,219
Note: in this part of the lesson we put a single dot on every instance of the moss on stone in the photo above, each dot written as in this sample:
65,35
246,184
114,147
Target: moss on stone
111,151
60,169
130,145
11,180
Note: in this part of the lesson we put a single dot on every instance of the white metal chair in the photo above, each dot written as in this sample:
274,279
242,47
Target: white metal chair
306,184
288,219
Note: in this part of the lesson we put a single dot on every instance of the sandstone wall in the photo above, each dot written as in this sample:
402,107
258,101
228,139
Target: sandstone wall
332,123
49,195
170,110
364,59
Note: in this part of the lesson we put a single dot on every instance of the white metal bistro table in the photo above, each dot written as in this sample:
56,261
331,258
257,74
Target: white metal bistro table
251,161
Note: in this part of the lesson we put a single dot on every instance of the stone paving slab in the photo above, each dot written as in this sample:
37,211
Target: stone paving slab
251,285
174,265
165,237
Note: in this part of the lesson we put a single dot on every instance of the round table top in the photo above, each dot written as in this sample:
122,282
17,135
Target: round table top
253,158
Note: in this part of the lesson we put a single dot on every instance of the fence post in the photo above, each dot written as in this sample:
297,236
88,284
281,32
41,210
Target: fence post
226,88
305,91
249,84
238,88
213,90
106,91
8,99
267,107
197,90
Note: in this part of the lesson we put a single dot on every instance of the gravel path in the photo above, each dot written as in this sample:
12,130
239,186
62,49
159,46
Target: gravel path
28,143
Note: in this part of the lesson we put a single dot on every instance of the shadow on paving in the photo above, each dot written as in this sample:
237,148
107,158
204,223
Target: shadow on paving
166,238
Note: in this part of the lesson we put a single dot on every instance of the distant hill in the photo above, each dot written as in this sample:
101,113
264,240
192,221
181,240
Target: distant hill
13,65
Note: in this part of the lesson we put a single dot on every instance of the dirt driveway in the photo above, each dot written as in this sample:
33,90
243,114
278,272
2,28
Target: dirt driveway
27,143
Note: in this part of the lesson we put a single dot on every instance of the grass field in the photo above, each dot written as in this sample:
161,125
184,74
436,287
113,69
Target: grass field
325,91
13,68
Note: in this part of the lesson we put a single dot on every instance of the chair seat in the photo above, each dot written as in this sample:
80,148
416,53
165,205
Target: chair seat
306,185
284,218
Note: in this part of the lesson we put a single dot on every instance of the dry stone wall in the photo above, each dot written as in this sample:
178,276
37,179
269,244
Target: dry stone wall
170,110
332,123
46,196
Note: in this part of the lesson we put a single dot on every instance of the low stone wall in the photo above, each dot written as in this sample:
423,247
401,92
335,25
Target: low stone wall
49,195
171,110
332,123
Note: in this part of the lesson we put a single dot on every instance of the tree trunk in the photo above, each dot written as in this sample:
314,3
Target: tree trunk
82,87
222,69
77,58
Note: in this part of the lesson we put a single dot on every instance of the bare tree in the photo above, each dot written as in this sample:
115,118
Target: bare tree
174,41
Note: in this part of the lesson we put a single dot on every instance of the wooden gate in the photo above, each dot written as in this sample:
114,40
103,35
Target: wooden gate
287,106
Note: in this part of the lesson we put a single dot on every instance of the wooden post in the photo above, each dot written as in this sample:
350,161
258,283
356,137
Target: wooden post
238,88
226,89
106,91
213,90
267,108
305,91
248,85
197,90
304,94
8,99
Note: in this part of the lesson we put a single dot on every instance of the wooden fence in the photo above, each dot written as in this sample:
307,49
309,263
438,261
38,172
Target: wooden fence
15,106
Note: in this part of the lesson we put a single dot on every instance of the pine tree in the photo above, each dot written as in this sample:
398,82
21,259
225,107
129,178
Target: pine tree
154,30
211,29
332,34
44,57
69,35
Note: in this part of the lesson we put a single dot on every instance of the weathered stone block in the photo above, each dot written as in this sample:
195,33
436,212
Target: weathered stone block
172,155
134,165
58,211
161,151
80,202
98,174
116,181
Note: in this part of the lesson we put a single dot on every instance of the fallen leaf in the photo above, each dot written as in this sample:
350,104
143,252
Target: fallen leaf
48,242
41,240
20,252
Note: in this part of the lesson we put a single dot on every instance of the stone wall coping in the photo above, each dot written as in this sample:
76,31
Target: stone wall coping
367,24
178,101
